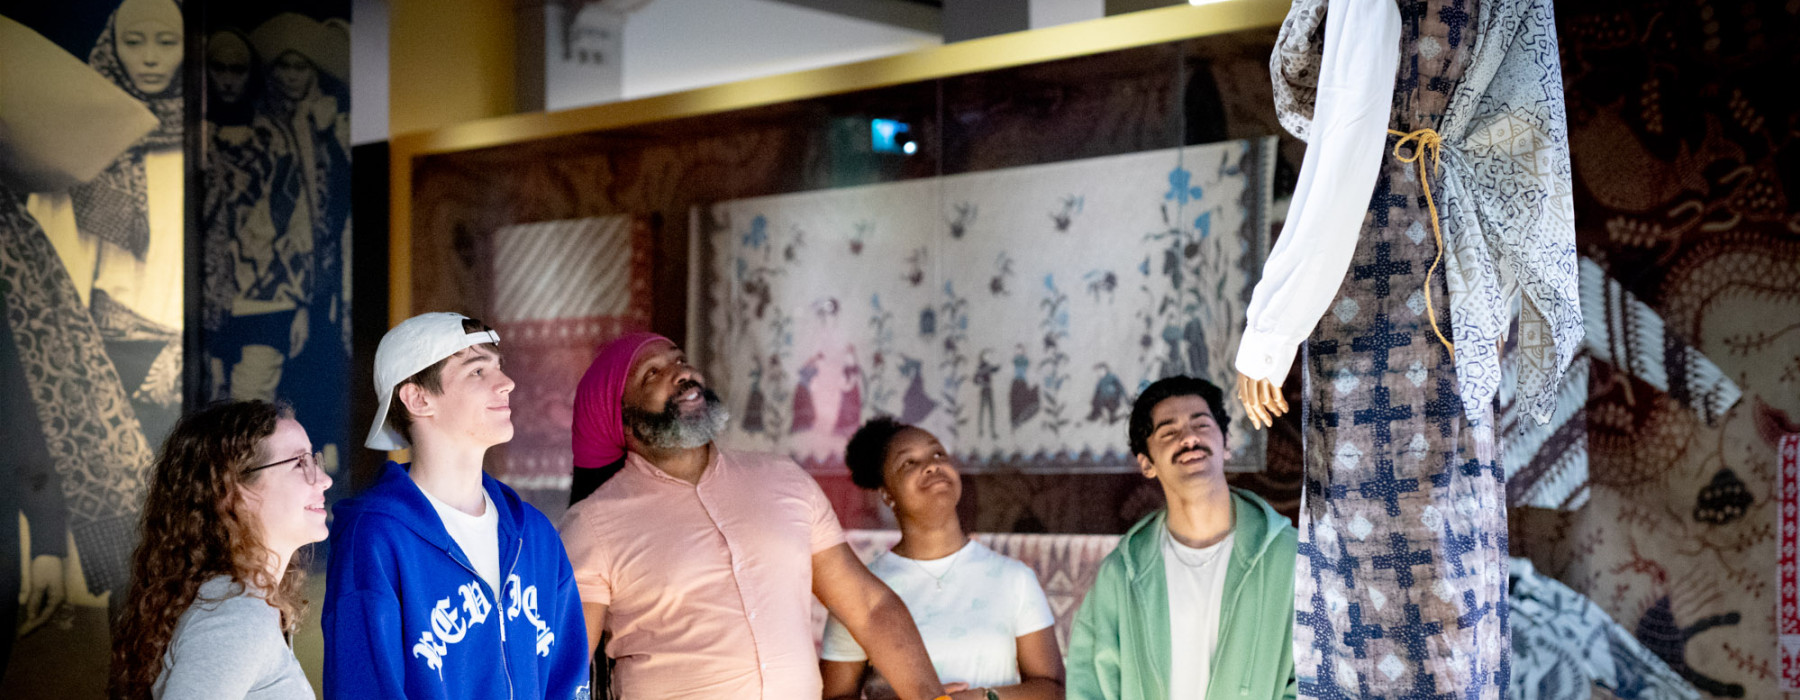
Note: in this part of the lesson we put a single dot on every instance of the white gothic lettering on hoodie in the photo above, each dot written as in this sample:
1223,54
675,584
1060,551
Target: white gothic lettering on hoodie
449,624
524,599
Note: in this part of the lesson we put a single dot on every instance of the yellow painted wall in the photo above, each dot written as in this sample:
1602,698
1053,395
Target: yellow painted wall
449,61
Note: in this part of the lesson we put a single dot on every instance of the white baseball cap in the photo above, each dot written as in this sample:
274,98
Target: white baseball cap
406,350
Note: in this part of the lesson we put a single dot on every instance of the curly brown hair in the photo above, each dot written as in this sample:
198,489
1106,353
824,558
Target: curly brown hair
194,529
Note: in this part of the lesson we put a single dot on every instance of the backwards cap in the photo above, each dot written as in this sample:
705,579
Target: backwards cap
406,350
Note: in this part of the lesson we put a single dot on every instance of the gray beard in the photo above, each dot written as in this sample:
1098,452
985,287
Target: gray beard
669,430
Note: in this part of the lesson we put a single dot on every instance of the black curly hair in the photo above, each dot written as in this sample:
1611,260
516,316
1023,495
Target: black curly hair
1167,388
867,450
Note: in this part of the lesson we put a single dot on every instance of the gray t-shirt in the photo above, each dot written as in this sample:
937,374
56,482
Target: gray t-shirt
229,645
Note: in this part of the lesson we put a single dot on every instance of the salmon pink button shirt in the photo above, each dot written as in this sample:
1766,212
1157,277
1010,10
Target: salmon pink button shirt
708,586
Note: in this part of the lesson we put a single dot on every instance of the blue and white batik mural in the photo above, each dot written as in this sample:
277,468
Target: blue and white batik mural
1015,312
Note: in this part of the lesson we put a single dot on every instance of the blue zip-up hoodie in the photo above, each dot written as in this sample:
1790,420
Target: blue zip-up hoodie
407,616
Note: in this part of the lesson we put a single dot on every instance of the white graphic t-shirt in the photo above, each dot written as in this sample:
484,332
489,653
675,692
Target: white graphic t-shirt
971,607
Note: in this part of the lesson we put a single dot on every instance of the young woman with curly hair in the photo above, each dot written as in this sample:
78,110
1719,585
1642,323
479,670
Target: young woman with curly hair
215,592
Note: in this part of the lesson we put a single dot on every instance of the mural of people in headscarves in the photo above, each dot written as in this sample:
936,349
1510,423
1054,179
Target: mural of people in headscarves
92,278
277,219
130,217
91,248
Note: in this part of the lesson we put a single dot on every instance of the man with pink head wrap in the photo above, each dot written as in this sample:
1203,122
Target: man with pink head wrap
702,562
599,429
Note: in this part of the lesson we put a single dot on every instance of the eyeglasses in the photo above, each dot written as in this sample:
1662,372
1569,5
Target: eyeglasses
311,466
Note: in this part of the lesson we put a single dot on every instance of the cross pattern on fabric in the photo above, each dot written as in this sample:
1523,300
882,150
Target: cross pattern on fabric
1401,559
1383,201
1381,338
1473,613
1455,546
1386,488
1343,565
1415,633
1316,617
1383,414
1444,407
1359,634
1382,269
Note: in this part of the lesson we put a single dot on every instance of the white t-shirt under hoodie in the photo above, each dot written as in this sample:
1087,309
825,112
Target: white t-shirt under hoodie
971,622
1196,579
477,535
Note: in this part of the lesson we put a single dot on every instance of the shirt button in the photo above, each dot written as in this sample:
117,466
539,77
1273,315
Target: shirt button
765,667
753,614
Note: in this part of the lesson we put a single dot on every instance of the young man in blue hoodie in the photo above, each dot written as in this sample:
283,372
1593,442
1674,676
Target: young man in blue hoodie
442,583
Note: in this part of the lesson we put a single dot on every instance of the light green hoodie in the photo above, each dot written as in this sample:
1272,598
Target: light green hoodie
1119,648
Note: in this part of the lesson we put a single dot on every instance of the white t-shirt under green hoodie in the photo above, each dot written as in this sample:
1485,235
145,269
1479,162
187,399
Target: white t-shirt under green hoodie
1196,578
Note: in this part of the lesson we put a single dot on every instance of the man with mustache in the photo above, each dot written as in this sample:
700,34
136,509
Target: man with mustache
1197,601
702,562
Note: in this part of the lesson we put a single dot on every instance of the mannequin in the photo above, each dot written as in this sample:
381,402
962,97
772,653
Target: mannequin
1434,192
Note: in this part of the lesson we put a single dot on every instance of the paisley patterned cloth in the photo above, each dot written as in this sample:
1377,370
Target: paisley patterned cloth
1564,645
95,441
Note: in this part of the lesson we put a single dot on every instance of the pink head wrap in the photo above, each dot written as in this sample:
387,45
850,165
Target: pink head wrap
599,429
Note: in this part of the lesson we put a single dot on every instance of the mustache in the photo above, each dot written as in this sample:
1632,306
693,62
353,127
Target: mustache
1197,448
672,405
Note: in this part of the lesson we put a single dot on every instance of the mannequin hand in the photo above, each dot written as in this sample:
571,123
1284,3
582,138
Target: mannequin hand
1261,399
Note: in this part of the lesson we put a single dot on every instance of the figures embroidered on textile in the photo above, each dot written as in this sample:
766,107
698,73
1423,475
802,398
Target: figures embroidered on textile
984,407
849,412
1109,396
804,412
924,334
1022,399
753,406
916,403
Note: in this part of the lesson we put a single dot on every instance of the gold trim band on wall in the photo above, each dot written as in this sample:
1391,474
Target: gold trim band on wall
975,56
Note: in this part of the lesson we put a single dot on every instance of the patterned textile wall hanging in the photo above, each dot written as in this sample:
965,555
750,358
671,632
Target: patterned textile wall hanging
561,290
1683,132
1564,646
1015,313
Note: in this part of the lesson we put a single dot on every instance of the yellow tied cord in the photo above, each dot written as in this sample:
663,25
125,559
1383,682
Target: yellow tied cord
1428,139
